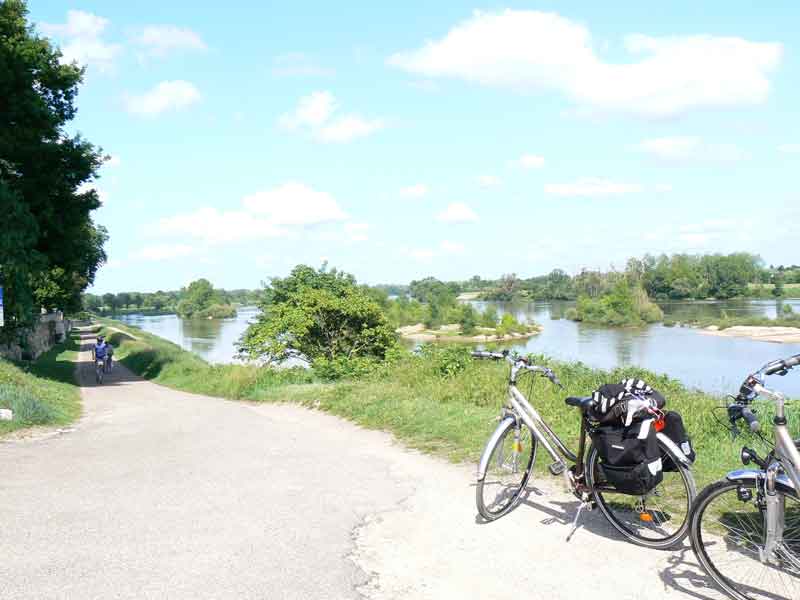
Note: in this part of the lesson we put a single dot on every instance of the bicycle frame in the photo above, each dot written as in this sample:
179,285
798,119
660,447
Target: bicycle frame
545,436
771,480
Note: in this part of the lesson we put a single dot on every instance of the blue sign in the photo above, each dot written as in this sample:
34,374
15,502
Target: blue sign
1,306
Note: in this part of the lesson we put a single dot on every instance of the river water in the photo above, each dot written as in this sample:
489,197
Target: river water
711,363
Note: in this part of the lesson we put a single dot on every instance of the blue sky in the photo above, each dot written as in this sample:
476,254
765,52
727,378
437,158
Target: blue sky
399,140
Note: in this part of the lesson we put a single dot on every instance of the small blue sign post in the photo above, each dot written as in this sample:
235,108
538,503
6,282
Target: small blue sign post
1,306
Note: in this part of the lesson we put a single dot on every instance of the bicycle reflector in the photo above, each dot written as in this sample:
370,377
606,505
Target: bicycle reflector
660,424
646,517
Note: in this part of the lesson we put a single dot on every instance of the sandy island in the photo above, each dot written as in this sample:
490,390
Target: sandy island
782,335
450,333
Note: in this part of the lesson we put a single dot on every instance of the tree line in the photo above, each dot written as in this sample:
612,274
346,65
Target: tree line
198,296
50,248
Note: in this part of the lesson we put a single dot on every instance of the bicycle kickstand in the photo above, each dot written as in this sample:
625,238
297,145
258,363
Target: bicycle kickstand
575,524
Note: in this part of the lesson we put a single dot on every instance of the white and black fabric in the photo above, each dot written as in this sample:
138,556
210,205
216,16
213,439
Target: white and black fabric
675,430
629,457
611,400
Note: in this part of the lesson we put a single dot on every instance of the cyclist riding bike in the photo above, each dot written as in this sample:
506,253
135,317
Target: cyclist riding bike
100,349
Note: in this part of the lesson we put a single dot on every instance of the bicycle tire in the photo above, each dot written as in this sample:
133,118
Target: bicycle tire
699,545
512,493
645,532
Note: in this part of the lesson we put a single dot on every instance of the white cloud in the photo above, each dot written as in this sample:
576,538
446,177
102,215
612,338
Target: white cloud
314,114
420,254
684,149
488,181
592,188
263,215
418,190
165,96
789,148
161,252
294,204
662,77
161,40
357,232
531,161
82,40
215,226
449,247
457,212
298,64
312,111
345,129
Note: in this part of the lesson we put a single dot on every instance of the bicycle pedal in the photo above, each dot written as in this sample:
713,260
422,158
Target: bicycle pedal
557,468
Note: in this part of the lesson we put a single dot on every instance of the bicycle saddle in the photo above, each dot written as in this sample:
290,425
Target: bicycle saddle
579,402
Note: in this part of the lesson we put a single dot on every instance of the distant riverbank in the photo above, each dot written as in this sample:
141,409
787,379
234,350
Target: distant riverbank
452,333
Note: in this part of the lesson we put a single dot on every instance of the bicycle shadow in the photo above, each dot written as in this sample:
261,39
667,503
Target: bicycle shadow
685,575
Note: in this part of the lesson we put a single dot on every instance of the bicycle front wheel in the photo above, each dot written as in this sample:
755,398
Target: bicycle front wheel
658,519
509,468
729,534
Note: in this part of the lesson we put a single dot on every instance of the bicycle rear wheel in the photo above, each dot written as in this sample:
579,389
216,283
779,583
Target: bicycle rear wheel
509,469
728,533
660,518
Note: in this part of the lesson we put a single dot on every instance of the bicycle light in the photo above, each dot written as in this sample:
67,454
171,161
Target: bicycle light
747,455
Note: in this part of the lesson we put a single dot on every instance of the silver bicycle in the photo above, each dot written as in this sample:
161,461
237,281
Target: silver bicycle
745,529
657,519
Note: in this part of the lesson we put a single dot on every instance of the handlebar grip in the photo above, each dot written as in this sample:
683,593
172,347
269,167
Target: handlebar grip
777,367
792,361
751,419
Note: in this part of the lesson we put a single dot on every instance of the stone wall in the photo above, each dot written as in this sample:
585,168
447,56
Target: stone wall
51,329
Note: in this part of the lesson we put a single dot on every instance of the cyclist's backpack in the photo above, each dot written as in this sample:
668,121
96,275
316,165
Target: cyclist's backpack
629,456
676,431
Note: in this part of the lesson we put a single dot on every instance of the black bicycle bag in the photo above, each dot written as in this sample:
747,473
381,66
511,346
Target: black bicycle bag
630,459
675,430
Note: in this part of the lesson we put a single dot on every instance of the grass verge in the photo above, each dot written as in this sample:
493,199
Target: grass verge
442,403
42,392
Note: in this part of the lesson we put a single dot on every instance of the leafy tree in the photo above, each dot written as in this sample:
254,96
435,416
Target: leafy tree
50,249
110,300
323,315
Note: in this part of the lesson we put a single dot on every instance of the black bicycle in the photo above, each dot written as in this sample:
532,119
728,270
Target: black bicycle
656,519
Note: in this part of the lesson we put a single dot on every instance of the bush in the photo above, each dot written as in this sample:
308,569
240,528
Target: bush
446,360
489,317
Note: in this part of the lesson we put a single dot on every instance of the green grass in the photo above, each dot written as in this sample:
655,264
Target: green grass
43,392
448,415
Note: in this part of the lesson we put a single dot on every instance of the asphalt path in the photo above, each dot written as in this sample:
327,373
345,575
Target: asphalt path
157,493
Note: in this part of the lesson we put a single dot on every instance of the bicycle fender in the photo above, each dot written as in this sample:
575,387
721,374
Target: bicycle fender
483,465
674,449
782,482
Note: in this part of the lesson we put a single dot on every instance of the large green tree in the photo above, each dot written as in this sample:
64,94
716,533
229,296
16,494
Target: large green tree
50,249
320,313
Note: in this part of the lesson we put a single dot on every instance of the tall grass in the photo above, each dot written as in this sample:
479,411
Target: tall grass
441,401
42,392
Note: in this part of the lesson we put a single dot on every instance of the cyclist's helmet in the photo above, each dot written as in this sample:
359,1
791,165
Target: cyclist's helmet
99,339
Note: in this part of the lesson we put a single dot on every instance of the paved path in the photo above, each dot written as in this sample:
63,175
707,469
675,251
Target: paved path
162,494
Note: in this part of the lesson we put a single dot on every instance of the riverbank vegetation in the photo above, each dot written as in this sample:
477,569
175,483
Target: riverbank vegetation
675,277
201,301
438,400
161,302
786,317
42,392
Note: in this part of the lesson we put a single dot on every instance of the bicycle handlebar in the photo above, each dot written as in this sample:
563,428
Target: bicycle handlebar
519,362
751,419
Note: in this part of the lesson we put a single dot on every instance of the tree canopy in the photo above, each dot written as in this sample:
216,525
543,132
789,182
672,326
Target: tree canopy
50,249
321,313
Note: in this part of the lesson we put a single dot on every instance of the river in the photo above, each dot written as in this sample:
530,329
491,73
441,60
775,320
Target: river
711,363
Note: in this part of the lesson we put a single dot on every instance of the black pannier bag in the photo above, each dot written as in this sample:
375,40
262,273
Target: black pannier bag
676,431
630,458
